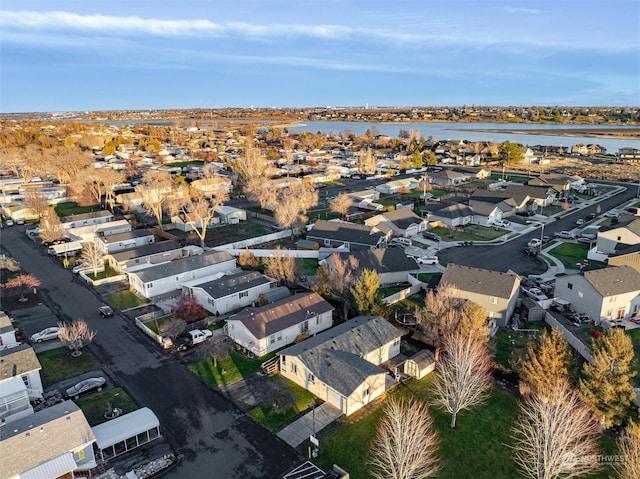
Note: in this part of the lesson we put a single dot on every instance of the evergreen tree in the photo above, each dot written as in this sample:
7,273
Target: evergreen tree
365,292
606,386
547,363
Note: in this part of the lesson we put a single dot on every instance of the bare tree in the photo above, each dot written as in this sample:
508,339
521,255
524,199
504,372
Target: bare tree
110,178
405,446
440,315
555,436
280,266
50,226
92,257
35,200
366,162
155,191
9,264
629,449
199,212
248,260
76,335
259,190
304,194
463,376
341,204
173,328
337,278
22,285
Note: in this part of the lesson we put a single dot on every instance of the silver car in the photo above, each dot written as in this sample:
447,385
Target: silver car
46,334
86,386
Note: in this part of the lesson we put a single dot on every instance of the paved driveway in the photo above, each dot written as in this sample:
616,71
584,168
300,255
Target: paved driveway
210,436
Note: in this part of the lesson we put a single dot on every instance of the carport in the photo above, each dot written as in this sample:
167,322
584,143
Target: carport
125,433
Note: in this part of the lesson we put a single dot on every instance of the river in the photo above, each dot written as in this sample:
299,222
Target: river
466,131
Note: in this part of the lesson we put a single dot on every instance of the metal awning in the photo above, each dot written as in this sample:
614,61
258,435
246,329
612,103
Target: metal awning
55,467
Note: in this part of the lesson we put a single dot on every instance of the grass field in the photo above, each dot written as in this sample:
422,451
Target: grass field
94,407
274,416
124,300
228,370
58,365
71,208
478,448
569,254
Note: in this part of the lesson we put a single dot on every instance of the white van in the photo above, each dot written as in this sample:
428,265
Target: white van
401,241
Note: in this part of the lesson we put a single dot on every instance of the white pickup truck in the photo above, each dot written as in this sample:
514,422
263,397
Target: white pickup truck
191,338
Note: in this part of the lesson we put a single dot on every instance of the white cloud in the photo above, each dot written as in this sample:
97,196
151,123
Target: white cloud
526,11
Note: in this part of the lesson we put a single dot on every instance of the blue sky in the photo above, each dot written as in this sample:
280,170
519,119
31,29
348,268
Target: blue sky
68,55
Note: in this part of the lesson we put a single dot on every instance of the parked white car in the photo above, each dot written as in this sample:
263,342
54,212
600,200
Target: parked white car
535,293
612,214
46,334
502,223
427,260
565,235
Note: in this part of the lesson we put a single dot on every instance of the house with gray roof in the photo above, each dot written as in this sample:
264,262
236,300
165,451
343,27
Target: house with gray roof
145,256
613,238
86,219
265,329
392,264
54,442
7,332
342,365
402,221
230,291
170,276
495,291
20,382
449,215
124,240
606,293
333,234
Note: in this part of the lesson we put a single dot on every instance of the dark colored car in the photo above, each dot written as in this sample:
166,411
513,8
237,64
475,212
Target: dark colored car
105,311
431,236
85,386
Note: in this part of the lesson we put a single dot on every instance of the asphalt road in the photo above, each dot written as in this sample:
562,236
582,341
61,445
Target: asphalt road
209,435
511,256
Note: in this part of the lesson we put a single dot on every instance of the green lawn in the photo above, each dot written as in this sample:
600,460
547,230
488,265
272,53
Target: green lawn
108,272
485,232
275,416
569,254
477,448
251,228
124,299
58,365
453,235
71,208
94,407
307,266
156,324
426,277
384,292
508,345
228,370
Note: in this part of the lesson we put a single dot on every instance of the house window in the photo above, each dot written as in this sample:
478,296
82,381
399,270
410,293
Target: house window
279,337
25,380
367,391
619,238
294,368
150,285
570,285
490,314
493,300
317,319
612,298
243,294
327,242
311,378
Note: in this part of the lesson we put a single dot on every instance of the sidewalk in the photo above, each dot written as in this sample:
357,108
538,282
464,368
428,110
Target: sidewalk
299,431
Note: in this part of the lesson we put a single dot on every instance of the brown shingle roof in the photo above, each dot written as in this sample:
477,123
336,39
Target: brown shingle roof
32,440
18,361
274,317
480,281
612,281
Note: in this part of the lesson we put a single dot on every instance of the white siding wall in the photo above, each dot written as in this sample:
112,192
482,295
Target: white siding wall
229,303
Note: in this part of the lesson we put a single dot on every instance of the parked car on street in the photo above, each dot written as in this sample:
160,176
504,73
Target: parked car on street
191,338
502,223
612,214
565,235
86,386
8,222
46,334
580,222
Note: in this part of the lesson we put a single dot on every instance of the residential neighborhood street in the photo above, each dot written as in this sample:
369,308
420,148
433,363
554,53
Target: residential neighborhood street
208,434
510,255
